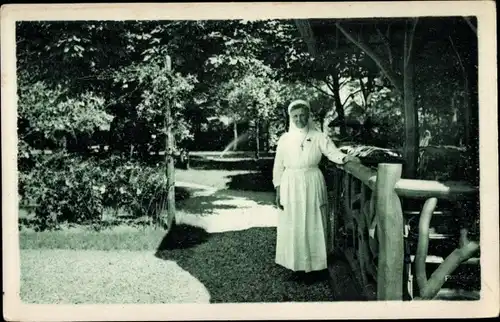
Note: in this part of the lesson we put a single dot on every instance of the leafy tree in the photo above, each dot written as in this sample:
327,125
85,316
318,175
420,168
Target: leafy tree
399,57
103,61
252,97
106,58
247,88
158,88
331,67
49,117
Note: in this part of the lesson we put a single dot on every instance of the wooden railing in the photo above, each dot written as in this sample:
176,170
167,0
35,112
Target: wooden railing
381,223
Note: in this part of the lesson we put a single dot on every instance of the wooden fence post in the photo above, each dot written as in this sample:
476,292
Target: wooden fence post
390,234
169,160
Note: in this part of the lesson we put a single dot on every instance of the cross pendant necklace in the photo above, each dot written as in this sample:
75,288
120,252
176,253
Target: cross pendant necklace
302,144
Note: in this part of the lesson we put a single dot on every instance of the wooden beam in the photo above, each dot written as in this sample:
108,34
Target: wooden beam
361,172
423,242
450,190
396,80
169,160
389,214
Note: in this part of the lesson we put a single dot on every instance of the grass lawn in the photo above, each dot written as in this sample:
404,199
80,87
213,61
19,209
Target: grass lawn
70,267
239,267
116,238
58,276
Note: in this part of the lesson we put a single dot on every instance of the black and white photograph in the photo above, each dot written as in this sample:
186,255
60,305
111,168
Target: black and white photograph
343,156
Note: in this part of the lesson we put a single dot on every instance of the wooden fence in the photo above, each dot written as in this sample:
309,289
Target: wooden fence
384,226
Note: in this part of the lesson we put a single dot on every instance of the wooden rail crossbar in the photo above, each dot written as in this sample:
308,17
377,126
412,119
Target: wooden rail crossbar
370,228
412,188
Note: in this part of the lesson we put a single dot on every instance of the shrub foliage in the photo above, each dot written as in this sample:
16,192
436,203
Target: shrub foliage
63,188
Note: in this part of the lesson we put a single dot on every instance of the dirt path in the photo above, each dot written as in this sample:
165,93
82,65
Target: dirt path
226,210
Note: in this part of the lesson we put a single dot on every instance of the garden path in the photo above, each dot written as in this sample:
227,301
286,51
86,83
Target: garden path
226,210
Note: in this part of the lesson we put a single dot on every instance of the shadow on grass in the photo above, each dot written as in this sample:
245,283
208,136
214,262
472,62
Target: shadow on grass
259,180
183,237
222,200
206,205
255,181
207,164
238,267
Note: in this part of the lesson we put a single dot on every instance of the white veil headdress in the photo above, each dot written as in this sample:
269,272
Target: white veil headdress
292,128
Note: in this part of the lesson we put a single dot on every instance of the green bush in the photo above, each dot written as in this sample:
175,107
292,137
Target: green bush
63,189
138,190
68,189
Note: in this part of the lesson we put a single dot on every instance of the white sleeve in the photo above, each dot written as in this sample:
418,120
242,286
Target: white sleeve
279,165
329,149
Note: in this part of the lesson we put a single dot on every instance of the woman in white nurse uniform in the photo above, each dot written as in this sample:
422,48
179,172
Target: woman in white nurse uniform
301,192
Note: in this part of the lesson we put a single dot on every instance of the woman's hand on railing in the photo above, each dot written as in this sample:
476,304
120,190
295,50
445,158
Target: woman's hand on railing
278,199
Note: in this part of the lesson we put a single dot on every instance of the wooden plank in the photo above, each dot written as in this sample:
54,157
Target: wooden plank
450,190
412,188
452,261
390,234
354,191
361,172
356,197
366,208
348,219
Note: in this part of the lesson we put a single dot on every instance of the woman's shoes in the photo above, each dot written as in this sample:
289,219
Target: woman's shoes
296,276
310,277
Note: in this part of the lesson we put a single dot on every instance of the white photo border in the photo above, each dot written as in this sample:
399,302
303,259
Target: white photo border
488,306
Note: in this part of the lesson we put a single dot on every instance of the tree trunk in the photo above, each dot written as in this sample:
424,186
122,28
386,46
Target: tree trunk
196,134
265,134
131,152
339,108
424,118
364,91
404,86
411,145
467,91
235,132
257,139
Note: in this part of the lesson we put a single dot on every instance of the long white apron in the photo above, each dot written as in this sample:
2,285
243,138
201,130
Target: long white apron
301,231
